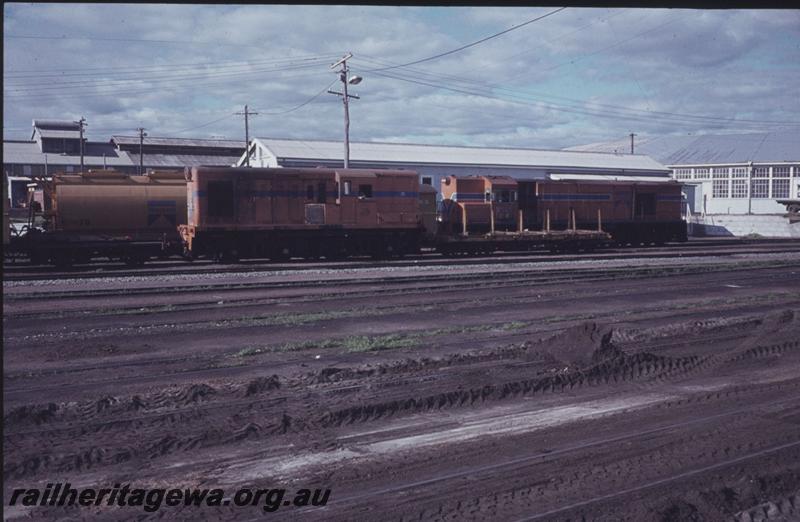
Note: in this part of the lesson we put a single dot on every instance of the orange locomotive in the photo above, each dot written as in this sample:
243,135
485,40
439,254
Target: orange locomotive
283,212
631,212
546,213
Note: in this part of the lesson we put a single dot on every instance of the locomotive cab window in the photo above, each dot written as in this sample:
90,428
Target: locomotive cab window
347,188
427,180
645,204
310,192
220,198
503,196
321,195
365,191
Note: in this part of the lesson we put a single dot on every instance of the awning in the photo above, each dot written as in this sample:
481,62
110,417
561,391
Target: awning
609,177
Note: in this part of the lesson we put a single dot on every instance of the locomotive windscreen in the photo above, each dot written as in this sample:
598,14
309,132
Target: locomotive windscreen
220,198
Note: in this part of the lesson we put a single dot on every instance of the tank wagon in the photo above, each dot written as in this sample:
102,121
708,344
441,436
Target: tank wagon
281,212
107,214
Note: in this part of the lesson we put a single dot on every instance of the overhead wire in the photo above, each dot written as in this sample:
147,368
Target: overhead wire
453,51
80,71
302,104
205,124
83,84
612,108
175,84
514,98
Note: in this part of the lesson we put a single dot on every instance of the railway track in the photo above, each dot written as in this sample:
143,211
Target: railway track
482,277
708,248
373,288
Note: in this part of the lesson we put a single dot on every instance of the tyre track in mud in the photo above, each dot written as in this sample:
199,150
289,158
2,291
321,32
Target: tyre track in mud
513,488
430,393
744,365
12,391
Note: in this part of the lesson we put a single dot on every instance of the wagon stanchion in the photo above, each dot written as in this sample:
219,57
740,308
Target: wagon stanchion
599,220
491,217
463,219
520,225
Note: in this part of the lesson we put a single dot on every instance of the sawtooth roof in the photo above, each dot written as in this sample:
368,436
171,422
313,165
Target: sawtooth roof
179,142
710,148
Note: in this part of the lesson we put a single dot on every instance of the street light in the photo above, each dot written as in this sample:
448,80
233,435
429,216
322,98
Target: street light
352,80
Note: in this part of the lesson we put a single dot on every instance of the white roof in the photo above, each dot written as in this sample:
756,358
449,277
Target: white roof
711,149
28,153
601,177
376,152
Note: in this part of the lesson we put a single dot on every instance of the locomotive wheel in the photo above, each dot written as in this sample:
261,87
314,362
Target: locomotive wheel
62,259
227,256
134,259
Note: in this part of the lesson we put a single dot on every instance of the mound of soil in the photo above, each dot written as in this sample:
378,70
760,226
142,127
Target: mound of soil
580,345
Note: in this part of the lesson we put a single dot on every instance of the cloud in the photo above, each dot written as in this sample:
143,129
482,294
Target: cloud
584,74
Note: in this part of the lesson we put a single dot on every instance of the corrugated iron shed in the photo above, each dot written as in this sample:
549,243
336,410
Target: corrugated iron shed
399,153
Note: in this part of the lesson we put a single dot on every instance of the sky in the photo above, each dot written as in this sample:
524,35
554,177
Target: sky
572,77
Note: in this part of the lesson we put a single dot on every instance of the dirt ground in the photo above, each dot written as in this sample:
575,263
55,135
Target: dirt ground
658,390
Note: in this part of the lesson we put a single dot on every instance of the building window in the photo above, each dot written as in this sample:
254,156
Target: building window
26,171
780,188
780,172
760,188
683,173
701,174
761,172
720,172
796,171
739,172
739,188
719,188
427,180
70,168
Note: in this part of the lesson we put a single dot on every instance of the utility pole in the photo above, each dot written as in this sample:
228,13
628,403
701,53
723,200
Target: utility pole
142,134
81,123
632,135
355,80
246,134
